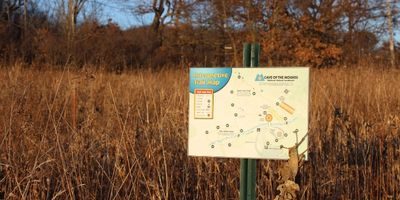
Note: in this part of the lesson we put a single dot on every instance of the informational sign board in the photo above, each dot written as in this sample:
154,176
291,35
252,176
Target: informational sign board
248,112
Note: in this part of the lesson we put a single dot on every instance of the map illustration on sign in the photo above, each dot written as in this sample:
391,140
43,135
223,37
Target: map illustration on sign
247,112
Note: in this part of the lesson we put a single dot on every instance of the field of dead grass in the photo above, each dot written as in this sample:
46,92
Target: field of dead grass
130,138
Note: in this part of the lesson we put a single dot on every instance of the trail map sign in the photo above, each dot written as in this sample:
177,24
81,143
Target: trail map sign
247,112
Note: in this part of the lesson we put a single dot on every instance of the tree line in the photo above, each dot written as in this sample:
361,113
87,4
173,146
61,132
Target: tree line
318,33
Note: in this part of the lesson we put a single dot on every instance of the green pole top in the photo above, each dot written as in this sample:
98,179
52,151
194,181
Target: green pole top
246,54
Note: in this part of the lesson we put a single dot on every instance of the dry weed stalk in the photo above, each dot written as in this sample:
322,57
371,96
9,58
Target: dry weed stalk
132,141
287,190
73,105
288,171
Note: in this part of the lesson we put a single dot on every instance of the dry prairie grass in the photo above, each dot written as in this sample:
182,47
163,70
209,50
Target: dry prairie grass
130,140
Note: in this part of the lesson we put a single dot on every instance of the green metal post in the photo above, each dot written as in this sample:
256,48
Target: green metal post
248,166
255,55
243,179
252,163
246,55
251,179
244,162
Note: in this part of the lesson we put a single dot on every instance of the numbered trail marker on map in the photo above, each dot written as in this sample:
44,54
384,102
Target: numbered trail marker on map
247,112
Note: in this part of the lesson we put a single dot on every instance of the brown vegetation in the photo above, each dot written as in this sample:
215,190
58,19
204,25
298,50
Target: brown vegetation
71,128
199,33
130,140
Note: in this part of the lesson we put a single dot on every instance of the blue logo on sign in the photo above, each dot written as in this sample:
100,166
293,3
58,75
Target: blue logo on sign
260,77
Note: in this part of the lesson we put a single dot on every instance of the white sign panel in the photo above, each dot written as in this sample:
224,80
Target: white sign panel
247,112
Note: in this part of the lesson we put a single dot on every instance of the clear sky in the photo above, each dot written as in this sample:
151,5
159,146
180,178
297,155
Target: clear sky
122,13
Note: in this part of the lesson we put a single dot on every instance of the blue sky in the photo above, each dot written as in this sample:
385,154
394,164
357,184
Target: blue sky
122,13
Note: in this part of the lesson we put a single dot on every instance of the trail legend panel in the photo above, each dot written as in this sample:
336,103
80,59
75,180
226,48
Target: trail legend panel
247,112
203,103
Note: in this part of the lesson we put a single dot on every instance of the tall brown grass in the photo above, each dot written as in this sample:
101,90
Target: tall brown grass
130,138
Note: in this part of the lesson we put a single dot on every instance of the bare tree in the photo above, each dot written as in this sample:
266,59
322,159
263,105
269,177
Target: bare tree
25,16
74,8
163,10
8,7
1,7
390,27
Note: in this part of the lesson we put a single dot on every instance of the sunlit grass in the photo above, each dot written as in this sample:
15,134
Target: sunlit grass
130,140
